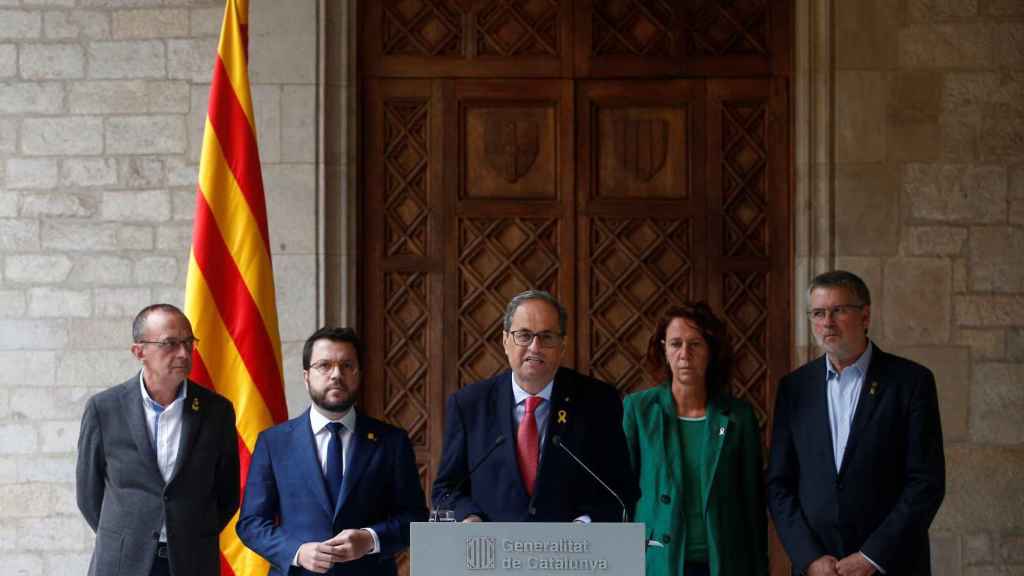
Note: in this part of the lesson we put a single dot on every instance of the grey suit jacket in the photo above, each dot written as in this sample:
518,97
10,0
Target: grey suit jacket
124,498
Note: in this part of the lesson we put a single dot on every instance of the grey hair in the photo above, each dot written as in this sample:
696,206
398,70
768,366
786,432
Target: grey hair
513,305
139,324
842,279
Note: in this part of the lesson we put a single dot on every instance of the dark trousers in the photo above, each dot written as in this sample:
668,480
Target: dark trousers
695,569
161,566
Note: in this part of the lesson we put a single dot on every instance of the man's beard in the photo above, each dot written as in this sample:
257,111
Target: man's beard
341,406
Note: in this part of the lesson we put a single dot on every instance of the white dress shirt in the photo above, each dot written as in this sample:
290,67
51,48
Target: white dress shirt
322,436
163,425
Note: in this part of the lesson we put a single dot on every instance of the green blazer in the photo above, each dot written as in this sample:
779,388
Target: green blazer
734,500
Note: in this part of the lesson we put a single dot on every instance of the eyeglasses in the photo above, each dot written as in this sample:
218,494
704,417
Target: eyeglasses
545,339
839,312
325,367
171,343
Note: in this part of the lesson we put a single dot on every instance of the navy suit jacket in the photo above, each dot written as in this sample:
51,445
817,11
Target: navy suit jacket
286,502
892,478
585,413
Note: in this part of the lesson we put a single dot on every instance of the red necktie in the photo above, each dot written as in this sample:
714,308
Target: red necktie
527,444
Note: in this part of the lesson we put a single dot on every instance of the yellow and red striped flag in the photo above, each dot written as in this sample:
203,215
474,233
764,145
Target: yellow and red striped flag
229,294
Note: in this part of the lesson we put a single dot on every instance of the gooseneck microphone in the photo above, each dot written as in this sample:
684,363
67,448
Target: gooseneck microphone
447,494
557,441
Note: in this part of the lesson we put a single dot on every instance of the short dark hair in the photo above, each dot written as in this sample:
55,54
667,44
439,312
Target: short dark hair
711,327
513,305
139,324
842,279
334,334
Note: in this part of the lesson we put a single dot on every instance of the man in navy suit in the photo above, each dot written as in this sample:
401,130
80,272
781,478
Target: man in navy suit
856,472
509,428
331,491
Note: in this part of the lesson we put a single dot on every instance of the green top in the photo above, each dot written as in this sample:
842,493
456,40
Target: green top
691,437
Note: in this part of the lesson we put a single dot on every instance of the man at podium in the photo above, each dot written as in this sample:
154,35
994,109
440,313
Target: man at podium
537,442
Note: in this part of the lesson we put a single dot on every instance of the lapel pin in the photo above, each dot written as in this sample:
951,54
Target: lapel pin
562,415
371,436
873,389
721,431
195,404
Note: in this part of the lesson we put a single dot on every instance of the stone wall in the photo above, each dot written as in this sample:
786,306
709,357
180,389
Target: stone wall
102,106
928,205
911,114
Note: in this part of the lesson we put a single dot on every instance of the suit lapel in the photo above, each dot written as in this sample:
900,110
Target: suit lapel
871,392
719,428
666,429
307,461
362,444
820,426
191,420
135,416
504,415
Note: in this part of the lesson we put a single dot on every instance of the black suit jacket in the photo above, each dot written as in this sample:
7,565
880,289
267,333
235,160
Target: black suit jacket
585,413
892,478
124,497
286,502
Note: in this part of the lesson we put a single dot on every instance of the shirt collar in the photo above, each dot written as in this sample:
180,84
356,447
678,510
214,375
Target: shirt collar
148,400
860,367
521,395
317,420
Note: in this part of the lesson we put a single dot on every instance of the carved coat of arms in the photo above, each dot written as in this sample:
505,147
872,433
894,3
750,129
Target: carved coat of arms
511,146
641,145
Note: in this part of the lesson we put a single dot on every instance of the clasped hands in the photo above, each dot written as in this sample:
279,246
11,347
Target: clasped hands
855,564
347,545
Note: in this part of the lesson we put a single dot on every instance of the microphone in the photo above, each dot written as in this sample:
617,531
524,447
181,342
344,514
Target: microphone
557,441
447,494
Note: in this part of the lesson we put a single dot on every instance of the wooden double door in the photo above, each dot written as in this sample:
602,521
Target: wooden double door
625,156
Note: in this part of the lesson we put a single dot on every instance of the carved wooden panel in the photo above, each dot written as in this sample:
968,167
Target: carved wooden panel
406,151
748,185
642,152
509,151
421,28
723,28
745,309
623,38
744,178
406,354
635,28
467,38
639,268
497,259
518,27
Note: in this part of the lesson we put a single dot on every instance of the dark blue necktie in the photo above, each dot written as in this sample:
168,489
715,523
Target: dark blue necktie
333,471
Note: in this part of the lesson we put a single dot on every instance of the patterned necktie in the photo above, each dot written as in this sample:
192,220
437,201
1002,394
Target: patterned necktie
527,444
333,470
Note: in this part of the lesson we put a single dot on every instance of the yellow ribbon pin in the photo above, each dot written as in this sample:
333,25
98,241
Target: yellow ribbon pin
195,404
561,416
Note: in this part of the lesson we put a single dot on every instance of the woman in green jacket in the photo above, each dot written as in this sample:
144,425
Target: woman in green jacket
696,452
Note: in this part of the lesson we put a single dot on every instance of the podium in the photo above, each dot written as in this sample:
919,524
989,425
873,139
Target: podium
526,548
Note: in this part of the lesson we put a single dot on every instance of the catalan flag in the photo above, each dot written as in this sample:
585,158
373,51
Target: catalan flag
229,294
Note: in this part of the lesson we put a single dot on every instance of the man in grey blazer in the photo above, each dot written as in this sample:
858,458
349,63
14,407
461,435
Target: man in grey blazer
157,474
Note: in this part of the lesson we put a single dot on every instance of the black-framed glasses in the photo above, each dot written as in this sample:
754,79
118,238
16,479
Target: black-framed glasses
171,343
545,339
839,311
325,367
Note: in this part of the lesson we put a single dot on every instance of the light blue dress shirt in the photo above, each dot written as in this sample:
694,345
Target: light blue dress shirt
843,393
